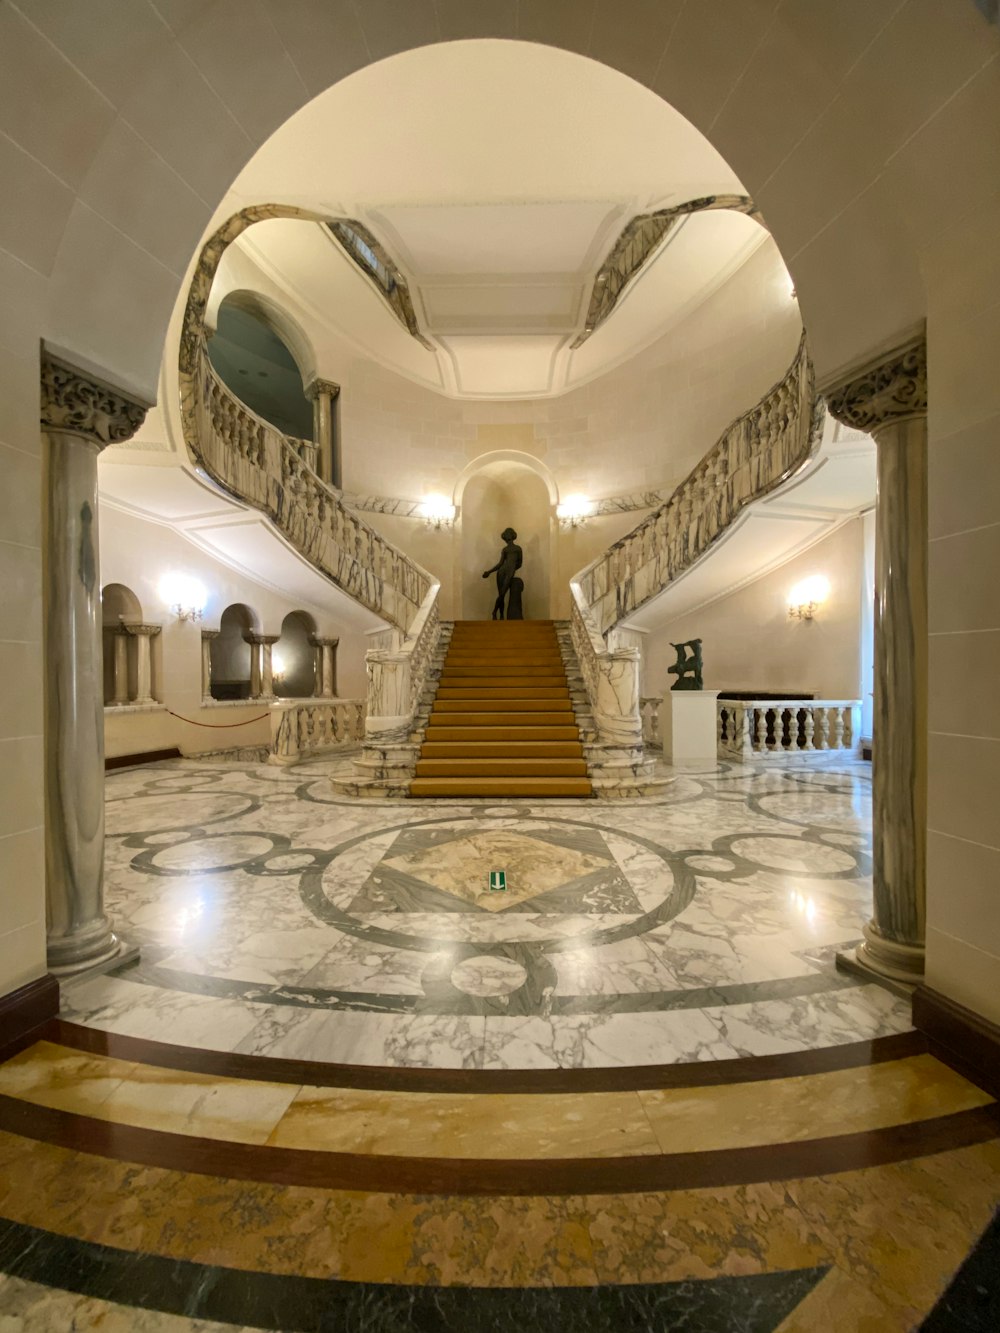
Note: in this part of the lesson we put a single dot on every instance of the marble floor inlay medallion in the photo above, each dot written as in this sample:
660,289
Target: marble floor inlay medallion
276,919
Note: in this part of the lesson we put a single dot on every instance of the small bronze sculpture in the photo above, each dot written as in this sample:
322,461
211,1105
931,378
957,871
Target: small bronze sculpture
505,569
514,609
687,668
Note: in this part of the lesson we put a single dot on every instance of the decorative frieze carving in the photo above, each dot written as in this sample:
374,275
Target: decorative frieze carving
75,403
893,390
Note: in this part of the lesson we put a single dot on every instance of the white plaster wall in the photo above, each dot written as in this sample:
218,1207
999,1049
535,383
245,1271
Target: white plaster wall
137,553
749,642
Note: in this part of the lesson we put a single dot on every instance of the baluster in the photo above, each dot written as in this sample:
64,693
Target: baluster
824,728
748,723
770,728
720,727
838,728
809,727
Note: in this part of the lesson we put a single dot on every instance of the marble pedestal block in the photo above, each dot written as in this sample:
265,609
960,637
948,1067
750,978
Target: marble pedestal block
689,727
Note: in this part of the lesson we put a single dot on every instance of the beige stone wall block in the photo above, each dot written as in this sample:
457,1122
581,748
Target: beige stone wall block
970,910
21,801
963,480
22,951
963,781
964,672
963,589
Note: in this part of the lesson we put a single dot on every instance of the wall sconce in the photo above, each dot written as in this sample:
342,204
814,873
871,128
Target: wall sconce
436,511
185,596
574,510
807,597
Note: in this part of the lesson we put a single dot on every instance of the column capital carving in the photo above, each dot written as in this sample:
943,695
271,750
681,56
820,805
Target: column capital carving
317,386
210,633
143,631
316,641
261,638
76,403
890,390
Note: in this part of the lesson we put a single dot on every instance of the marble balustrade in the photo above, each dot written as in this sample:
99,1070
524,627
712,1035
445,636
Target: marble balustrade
649,708
303,727
759,451
775,728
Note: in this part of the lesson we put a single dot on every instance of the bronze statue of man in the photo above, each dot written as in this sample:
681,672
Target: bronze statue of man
505,569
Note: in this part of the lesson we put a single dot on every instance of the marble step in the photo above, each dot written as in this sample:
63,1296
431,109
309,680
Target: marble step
501,768
496,718
500,787
510,689
487,735
506,749
486,701
484,664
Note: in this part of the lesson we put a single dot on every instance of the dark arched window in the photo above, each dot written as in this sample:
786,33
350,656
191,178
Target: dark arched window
254,363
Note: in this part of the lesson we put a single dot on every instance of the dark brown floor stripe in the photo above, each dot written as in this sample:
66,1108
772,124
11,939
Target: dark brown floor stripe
697,1074
431,1175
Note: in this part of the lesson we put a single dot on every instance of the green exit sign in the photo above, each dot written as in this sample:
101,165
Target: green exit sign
498,881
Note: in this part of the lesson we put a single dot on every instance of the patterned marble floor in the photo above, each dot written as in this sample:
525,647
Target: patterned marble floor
277,919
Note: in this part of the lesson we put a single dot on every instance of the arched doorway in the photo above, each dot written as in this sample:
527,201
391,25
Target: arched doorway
119,607
505,493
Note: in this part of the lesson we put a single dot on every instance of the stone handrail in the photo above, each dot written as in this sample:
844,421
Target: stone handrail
756,453
610,673
397,670
262,467
766,728
302,727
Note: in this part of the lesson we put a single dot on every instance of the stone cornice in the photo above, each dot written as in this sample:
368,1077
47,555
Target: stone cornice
892,389
75,403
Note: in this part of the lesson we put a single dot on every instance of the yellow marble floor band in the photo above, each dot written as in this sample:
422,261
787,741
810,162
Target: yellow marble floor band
894,1234
490,1126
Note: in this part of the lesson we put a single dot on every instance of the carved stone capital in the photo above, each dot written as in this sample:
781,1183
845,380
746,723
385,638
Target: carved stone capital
261,638
315,387
892,390
317,642
210,633
143,631
75,403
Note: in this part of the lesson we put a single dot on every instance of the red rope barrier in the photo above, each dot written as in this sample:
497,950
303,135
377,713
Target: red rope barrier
217,726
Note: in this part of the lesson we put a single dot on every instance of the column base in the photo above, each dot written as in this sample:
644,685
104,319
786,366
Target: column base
898,967
88,947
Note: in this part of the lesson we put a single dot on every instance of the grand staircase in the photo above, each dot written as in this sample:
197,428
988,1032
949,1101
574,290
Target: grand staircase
502,722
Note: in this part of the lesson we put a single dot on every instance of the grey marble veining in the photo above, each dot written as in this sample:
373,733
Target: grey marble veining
277,918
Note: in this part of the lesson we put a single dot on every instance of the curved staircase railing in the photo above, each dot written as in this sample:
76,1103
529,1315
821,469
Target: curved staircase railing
253,461
758,452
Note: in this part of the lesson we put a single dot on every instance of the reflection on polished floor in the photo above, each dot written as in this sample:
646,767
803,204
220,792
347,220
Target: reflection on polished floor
349,1086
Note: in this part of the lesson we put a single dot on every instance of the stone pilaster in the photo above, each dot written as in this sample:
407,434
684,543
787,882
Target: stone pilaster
322,393
80,416
120,667
889,402
267,642
207,635
326,666
144,636
255,674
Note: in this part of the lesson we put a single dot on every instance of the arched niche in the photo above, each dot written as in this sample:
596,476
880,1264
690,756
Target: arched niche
230,653
119,607
252,353
505,490
294,657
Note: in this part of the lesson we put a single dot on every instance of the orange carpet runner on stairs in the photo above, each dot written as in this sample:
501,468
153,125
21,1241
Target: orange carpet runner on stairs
502,722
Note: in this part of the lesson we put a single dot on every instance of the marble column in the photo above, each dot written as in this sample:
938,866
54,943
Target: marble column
80,416
326,667
144,636
322,393
267,642
120,667
889,402
207,635
254,641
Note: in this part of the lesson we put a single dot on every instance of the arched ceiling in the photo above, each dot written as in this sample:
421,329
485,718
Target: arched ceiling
498,177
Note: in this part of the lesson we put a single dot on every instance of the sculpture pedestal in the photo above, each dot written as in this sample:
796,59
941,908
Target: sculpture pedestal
689,728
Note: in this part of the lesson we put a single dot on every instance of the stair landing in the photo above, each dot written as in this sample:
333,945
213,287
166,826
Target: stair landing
502,723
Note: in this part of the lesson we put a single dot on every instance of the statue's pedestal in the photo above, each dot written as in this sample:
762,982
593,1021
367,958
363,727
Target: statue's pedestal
689,727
